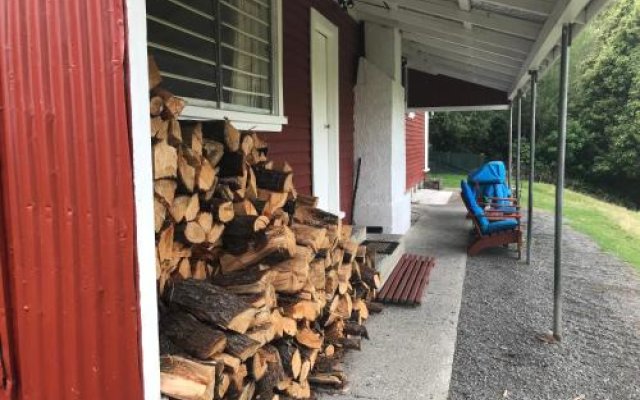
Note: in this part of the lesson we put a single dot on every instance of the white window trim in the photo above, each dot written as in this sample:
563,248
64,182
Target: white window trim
196,110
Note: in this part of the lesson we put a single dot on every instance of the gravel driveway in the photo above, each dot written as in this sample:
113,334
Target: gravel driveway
506,304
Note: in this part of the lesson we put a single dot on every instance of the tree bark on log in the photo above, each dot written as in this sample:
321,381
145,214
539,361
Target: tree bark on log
193,336
212,304
241,346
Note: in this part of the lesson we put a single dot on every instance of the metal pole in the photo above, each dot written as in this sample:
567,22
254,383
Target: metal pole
518,140
510,160
562,144
532,161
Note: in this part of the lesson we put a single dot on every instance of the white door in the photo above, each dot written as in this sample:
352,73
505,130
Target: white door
324,112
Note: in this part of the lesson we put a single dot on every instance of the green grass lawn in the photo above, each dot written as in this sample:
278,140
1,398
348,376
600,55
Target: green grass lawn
616,229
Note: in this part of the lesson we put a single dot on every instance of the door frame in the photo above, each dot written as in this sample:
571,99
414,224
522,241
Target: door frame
321,24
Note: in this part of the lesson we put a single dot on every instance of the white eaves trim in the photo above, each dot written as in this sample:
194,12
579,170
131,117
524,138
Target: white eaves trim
494,107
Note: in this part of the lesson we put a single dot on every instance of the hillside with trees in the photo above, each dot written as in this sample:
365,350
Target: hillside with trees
603,137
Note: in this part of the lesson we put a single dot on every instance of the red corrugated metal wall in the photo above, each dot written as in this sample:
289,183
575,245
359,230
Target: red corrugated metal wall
415,148
294,143
67,201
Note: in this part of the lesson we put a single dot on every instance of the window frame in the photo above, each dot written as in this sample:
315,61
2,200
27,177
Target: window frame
198,109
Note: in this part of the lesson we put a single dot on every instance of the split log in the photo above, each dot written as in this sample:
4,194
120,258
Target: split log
318,218
241,346
356,330
230,362
309,236
360,311
317,273
159,214
244,207
165,244
251,281
246,143
290,356
156,104
222,386
159,128
213,151
370,277
173,105
205,220
154,72
278,240
187,167
262,334
258,365
300,309
223,132
222,211
298,390
192,136
259,298
165,190
184,379
237,381
309,338
247,391
350,250
206,175
273,375
251,184
240,233
174,135
194,233
215,234
212,304
273,201
304,200
291,275
165,160
193,336
334,379
272,180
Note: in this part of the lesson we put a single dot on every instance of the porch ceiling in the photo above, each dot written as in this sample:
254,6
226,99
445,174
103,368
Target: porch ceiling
494,43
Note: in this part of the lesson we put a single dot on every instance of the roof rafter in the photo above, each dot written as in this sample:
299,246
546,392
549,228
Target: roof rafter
420,62
413,22
539,7
445,9
514,59
453,57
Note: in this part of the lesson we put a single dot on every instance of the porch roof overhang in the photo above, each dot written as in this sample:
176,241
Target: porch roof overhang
491,43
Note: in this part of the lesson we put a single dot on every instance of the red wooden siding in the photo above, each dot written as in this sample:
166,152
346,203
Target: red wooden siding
294,142
415,149
67,201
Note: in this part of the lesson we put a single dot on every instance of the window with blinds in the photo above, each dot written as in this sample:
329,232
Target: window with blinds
219,52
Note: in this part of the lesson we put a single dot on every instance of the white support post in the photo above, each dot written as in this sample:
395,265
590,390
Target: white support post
143,192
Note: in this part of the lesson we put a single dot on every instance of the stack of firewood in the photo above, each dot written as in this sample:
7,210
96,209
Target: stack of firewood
260,291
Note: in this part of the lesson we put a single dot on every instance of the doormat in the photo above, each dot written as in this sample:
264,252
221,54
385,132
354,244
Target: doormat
381,246
407,280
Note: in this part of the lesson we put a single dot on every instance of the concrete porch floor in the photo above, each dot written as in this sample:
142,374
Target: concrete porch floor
410,355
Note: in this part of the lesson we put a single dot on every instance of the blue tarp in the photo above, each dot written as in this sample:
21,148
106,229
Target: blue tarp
491,172
490,180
